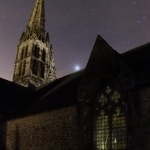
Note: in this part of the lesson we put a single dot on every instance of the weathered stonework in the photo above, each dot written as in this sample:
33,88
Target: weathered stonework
52,130
105,66
34,63
143,119
3,136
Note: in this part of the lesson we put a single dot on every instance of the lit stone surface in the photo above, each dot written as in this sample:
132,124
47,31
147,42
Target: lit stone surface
34,63
52,130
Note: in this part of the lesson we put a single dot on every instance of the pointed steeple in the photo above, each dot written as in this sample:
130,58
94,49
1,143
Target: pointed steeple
37,20
36,26
34,63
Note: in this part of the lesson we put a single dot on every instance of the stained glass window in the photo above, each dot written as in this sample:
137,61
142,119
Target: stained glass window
109,121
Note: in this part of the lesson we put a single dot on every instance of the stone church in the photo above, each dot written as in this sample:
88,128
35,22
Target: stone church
105,106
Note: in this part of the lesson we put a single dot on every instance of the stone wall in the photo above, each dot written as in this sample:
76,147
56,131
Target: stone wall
52,130
2,136
143,120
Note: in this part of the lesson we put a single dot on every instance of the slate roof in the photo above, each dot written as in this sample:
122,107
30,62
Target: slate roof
59,93
21,101
12,97
139,58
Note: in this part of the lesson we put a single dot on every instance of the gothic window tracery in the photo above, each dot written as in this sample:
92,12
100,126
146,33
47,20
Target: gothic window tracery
109,121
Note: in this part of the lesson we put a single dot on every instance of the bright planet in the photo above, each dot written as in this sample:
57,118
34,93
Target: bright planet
77,68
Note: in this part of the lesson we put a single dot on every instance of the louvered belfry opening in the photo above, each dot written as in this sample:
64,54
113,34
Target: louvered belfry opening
109,121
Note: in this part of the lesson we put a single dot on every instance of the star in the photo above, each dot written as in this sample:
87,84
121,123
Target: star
73,27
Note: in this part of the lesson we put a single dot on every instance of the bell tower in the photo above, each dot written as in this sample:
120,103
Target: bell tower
34,63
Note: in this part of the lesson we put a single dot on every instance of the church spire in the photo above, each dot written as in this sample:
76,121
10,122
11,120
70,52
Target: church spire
36,26
37,20
34,63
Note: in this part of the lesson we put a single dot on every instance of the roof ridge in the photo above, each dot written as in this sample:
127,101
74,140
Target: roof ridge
137,47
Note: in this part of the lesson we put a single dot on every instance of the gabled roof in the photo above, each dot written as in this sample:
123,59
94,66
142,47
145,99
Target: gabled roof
60,93
21,101
138,54
42,90
12,97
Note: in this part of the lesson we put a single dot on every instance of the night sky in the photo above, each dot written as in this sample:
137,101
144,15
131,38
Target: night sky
73,26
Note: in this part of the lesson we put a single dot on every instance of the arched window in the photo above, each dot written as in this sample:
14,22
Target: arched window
109,121
36,51
43,55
